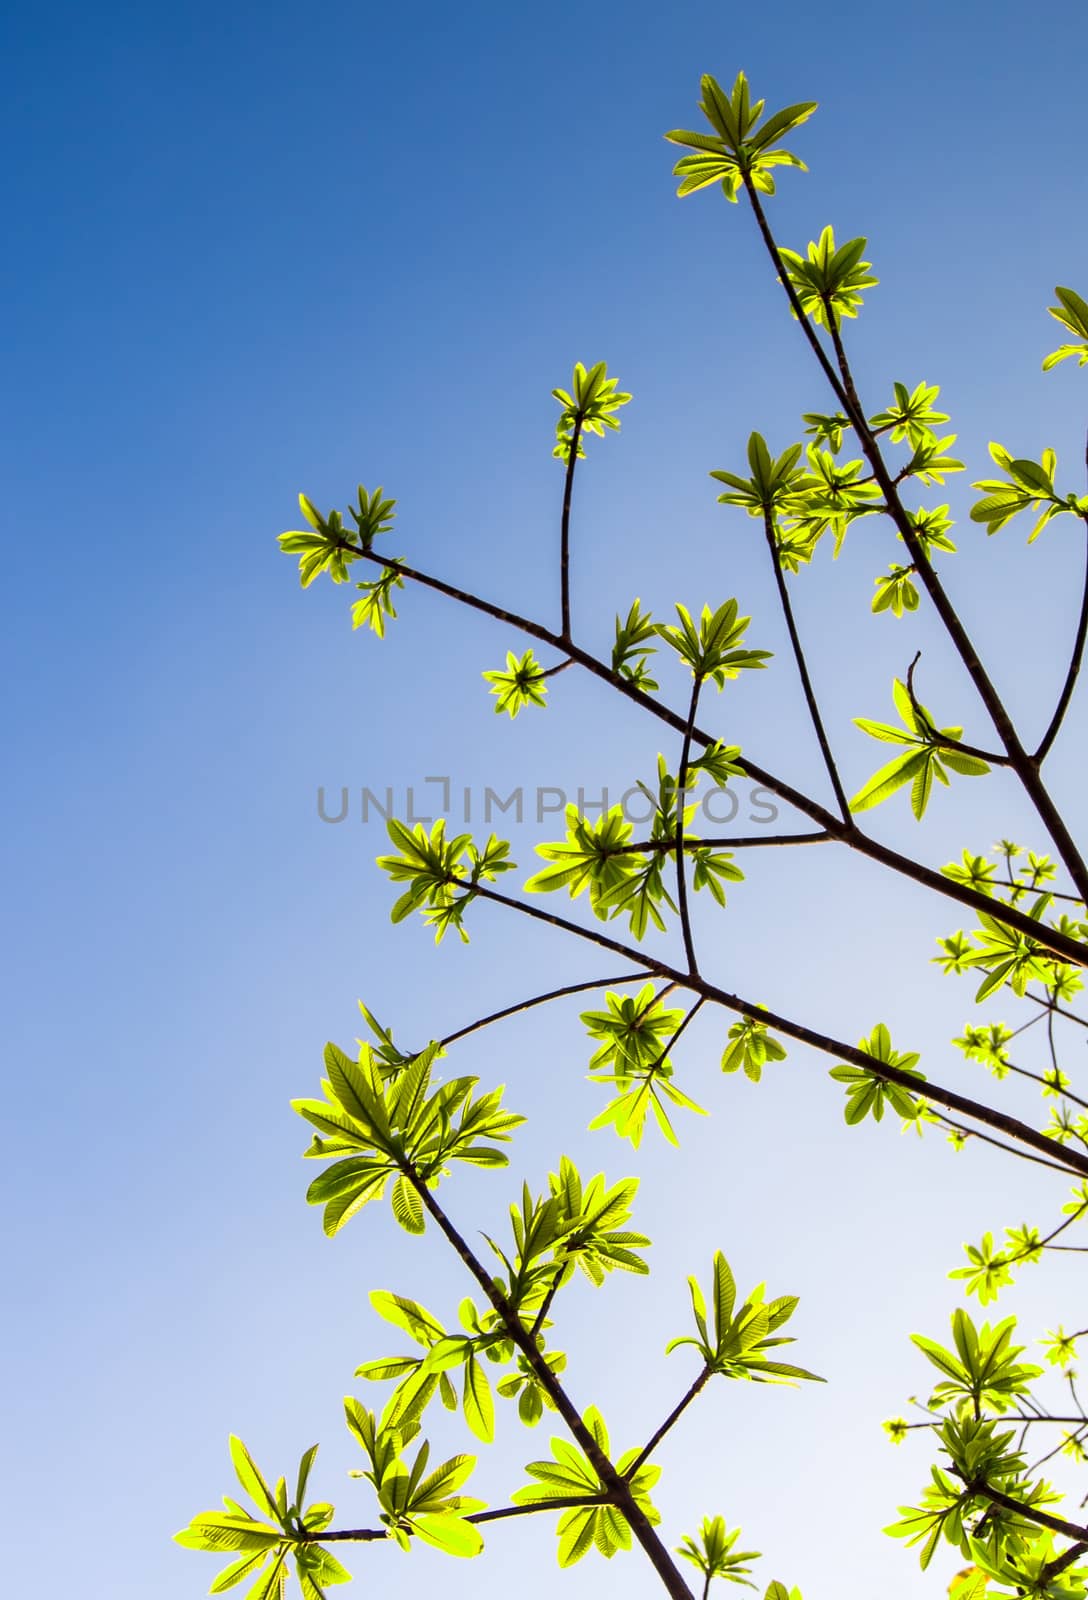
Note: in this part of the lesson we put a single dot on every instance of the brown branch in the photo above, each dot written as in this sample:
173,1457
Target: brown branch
681,798
842,384
1043,1518
564,536
365,1535
802,668
1066,1559
999,1144
618,1489
934,734
674,1416
848,833
989,1116
1070,683
742,842
540,1000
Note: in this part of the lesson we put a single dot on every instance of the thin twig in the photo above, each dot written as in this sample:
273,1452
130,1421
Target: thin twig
1070,1160
564,536
1043,1518
802,667
1071,950
674,1416
742,842
842,385
1049,1004
934,734
364,1535
1054,1568
540,1000
1074,669
617,1488
681,797
999,1144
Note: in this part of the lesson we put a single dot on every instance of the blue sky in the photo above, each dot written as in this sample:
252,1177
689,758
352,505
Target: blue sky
252,250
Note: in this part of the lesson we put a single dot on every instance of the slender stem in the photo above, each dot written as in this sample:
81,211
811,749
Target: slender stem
1025,767
540,1000
1051,1005
1043,1518
1080,1421
673,1417
365,1535
617,1488
999,1144
562,667
1052,1046
1017,1417
564,536
1037,1077
934,733
989,1116
1072,950
1038,887
842,384
802,668
681,798
749,842
546,1304
1066,1559
679,1032
1074,669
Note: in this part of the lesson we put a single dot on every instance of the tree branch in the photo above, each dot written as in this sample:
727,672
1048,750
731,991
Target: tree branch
802,668
999,1144
1054,1568
564,536
989,1116
1070,684
1043,1518
842,385
540,1000
365,1535
674,1416
681,797
749,842
849,833
619,1490
937,737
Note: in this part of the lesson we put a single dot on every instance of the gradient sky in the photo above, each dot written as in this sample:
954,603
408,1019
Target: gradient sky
253,249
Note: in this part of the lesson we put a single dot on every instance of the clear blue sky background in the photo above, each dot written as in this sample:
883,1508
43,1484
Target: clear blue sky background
253,249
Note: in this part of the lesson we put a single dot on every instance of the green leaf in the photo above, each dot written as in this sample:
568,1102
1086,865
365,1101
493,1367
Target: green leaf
407,1206
589,407
477,1401
739,150
250,1478
271,1584
1072,312
521,685
238,1571
450,1534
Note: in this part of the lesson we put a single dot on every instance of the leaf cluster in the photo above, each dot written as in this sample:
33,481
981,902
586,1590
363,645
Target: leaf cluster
284,1529
399,1129
328,546
443,875
930,755
589,406
740,150
741,1338
569,1472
